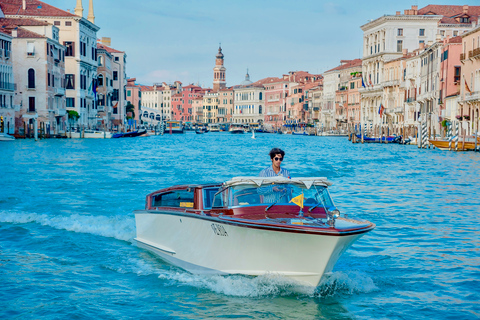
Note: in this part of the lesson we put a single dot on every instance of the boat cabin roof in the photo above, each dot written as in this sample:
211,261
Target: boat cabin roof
306,182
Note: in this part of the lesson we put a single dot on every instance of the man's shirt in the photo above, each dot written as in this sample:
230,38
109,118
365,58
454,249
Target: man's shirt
269,195
268,172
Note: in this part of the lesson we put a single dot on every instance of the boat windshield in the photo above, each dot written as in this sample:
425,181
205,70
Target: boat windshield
278,194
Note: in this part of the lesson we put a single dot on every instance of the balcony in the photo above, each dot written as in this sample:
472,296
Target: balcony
462,56
410,100
474,96
60,92
476,53
7,86
101,108
398,110
60,112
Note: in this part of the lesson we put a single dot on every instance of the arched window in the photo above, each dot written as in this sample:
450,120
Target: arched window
100,80
31,79
100,61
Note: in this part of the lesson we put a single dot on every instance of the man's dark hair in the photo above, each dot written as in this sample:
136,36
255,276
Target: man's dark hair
276,151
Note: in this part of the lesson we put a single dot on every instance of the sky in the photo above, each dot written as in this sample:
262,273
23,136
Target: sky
166,41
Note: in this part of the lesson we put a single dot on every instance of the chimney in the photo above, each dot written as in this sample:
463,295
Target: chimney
405,52
430,42
14,32
414,10
421,45
439,38
397,13
24,5
465,8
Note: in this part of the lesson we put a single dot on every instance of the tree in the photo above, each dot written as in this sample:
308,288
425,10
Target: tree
73,115
130,108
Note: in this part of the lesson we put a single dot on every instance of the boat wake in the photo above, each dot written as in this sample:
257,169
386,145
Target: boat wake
118,227
273,285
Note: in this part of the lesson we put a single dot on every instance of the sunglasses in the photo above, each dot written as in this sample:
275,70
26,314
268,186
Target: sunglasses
278,159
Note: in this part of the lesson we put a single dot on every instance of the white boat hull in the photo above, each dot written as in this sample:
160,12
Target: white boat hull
219,247
90,135
6,137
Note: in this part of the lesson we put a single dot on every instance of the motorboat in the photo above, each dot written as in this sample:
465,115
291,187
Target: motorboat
249,226
236,128
214,127
388,139
90,134
6,137
131,134
173,126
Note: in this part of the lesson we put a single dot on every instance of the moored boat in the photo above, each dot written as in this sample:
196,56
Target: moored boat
90,134
174,127
236,128
131,134
449,144
249,226
6,137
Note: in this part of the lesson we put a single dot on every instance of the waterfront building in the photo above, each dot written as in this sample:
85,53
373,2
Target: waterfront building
210,107
105,86
118,117
169,90
412,85
276,93
346,90
331,83
470,81
153,111
393,115
79,37
384,39
7,107
428,93
353,109
197,109
39,70
225,105
315,102
134,97
248,102
219,70
387,37
450,74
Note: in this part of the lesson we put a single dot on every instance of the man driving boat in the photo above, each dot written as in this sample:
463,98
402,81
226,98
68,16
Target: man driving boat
277,193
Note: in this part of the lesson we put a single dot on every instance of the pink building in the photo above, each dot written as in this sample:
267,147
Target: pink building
182,108
450,73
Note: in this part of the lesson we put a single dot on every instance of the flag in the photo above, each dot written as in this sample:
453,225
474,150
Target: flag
466,86
370,80
380,110
363,83
298,200
115,106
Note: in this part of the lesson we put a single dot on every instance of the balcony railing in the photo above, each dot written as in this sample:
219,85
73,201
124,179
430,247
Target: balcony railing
410,100
60,92
476,52
462,56
472,96
7,86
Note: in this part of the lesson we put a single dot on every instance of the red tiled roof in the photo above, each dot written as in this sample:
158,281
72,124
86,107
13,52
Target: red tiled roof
21,33
6,22
34,8
108,49
350,64
449,13
455,40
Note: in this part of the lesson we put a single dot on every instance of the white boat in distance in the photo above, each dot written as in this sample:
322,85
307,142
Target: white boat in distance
90,134
6,137
249,226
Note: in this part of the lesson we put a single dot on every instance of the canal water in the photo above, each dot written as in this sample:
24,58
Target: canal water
66,230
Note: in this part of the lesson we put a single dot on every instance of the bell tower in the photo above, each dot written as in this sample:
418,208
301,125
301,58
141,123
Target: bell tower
219,71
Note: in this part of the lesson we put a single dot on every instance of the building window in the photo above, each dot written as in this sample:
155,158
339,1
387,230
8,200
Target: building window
70,81
457,75
70,51
421,32
68,23
31,104
100,61
455,33
31,79
116,59
399,45
70,102
56,23
129,93
100,80
352,85
421,41
30,49
400,32
115,75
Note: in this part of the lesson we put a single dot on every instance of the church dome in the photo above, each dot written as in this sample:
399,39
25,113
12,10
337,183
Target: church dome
247,81
219,54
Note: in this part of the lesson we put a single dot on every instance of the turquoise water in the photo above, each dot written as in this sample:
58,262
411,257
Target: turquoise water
66,230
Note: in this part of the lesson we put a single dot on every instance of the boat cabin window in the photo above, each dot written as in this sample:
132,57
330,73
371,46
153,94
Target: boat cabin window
176,199
208,194
248,195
